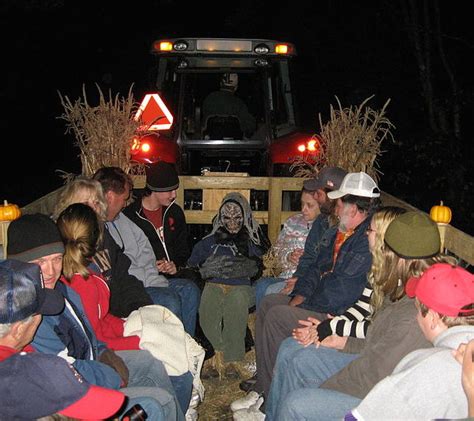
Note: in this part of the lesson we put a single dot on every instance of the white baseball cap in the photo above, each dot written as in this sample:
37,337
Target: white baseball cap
357,184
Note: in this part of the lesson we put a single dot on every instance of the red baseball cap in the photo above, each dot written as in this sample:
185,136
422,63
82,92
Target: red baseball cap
444,288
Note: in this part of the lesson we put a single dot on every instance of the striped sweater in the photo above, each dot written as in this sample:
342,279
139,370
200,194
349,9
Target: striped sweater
353,322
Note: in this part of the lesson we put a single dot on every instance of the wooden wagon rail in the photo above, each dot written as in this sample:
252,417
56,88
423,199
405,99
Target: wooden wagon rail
454,240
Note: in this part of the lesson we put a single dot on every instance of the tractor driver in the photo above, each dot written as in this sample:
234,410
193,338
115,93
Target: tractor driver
224,102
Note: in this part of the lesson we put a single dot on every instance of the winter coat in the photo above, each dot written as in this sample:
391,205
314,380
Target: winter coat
69,335
95,297
329,289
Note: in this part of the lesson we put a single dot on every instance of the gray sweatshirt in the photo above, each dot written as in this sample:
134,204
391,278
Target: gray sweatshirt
135,244
425,385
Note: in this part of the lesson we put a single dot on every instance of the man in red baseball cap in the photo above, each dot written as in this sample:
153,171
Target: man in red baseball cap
426,384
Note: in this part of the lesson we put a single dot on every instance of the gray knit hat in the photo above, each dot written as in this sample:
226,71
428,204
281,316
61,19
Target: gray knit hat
33,236
413,235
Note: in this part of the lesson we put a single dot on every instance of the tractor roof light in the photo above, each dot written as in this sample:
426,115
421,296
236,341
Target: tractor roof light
180,45
282,49
262,49
302,147
165,46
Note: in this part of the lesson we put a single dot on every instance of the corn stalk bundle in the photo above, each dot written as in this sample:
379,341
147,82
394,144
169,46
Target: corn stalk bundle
351,139
104,132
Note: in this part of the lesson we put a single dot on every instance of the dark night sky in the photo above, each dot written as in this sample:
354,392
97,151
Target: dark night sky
347,49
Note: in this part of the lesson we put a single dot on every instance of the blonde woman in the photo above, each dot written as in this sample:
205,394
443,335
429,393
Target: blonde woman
127,293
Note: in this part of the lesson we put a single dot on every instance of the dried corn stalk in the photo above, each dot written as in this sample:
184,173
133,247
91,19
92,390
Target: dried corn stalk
104,132
272,264
351,139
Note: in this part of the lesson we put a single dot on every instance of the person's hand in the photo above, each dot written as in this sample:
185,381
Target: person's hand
464,355
333,341
111,359
289,285
296,300
294,256
306,334
166,266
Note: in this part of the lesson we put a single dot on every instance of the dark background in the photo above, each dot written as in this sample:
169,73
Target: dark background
348,50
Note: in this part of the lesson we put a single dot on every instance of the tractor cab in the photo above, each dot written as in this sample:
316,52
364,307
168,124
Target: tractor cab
233,104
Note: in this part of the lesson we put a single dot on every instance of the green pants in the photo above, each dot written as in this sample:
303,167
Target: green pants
223,315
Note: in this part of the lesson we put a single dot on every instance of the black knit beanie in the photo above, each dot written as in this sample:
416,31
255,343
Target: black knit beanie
161,177
31,237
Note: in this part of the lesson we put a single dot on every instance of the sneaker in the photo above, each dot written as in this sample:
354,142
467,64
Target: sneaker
245,402
191,415
249,384
195,399
252,413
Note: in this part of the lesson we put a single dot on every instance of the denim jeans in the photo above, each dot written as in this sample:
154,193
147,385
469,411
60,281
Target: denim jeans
261,288
148,378
181,298
183,387
317,404
166,297
298,373
190,296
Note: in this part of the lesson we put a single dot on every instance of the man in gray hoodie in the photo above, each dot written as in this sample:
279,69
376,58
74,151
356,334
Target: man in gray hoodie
426,383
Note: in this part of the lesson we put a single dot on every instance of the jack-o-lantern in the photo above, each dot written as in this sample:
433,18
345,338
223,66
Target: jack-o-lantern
441,214
9,211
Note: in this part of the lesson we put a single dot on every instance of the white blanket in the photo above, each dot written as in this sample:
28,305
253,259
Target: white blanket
163,335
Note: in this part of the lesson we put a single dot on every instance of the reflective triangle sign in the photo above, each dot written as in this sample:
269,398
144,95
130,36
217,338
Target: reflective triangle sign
154,114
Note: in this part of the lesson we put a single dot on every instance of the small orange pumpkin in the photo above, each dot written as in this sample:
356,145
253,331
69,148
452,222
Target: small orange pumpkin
9,211
441,214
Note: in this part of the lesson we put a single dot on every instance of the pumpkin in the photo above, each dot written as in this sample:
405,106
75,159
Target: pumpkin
441,214
9,211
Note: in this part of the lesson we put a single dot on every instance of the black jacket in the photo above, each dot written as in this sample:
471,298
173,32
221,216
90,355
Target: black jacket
174,228
127,293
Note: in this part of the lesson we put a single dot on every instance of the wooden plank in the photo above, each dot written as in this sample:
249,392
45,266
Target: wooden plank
3,238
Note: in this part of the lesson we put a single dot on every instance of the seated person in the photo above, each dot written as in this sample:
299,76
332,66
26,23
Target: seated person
290,247
334,281
81,232
181,296
425,384
127,293
229,258
224,102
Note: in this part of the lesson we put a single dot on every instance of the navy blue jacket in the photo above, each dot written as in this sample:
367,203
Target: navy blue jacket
62,335
319,227
333,291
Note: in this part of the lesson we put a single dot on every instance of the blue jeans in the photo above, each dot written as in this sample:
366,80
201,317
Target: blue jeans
190,296
296,368
183,387
148,379
261,287
166,297
181,298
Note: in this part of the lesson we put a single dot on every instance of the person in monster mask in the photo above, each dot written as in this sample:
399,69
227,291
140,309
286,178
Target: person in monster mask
229,259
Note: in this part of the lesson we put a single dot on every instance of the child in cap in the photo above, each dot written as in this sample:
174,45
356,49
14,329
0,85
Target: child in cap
426,383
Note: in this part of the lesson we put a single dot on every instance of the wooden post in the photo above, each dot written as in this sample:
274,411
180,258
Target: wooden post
274,208
3,236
